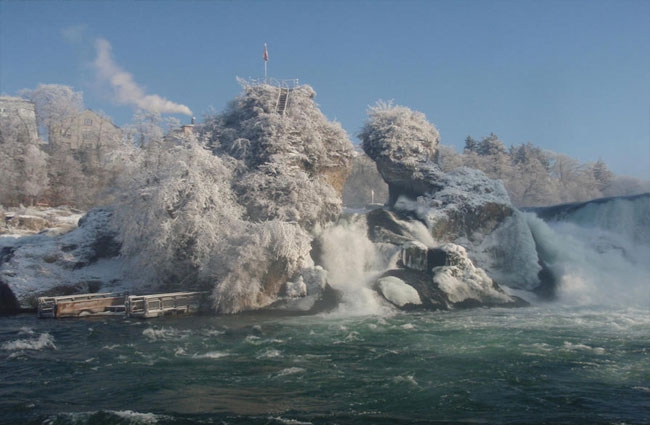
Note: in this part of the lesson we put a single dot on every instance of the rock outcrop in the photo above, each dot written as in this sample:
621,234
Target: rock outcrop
81,261
440,278
464,211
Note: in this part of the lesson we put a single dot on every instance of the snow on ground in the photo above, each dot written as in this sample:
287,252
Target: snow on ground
31,264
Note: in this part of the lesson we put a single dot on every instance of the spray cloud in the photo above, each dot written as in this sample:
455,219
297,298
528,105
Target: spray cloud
126,90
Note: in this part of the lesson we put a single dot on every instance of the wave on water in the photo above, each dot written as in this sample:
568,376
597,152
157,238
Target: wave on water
211,355
164,334
121,417
43,341
290,371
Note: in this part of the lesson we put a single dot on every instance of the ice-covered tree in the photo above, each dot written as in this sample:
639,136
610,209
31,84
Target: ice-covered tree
603,176
574,181
262,259
536,177
22,163
55,104
530,183
397,133
177,213
182,225
149,126
235,219
404,145
293,163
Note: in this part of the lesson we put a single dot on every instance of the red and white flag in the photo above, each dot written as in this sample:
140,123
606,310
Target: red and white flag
265,55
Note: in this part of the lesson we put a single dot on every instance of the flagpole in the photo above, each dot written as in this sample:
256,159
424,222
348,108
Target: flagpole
265,56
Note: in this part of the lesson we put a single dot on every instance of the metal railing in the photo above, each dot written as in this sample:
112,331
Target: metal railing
290,84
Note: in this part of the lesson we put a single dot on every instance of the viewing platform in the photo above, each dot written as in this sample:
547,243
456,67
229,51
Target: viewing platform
142,306
81,305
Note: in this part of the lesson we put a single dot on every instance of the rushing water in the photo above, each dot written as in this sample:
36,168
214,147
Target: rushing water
544,364
583,359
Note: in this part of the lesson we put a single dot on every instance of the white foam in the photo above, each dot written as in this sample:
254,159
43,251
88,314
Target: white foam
352,261
43,341
270,354
290,371
569,346
408,379
163,334
289,421
594,266
136,417
211,355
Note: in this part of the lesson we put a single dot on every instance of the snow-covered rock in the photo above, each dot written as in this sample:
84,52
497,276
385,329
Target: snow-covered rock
398,292
452,281
462,282
464,206
474,211
415,256
30,220
82,260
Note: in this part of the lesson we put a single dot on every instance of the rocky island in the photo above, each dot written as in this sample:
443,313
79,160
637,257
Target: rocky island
249,208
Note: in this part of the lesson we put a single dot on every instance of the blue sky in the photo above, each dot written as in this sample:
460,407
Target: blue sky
570,76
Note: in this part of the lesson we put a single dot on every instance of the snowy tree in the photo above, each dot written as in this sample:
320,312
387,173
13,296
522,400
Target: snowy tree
471,145
448,159
534,177
293,165
66,178
261,260
574,181
397,133
22,163
149,126
183,227
55,106
603,176
530,183
177,213
625,185
404,145
235,220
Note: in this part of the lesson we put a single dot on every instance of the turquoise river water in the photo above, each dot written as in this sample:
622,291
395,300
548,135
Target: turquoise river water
539,365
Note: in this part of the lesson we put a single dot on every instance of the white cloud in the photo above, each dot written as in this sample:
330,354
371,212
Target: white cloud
125,89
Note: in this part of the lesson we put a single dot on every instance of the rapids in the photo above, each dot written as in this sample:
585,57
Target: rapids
544,364
582,358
